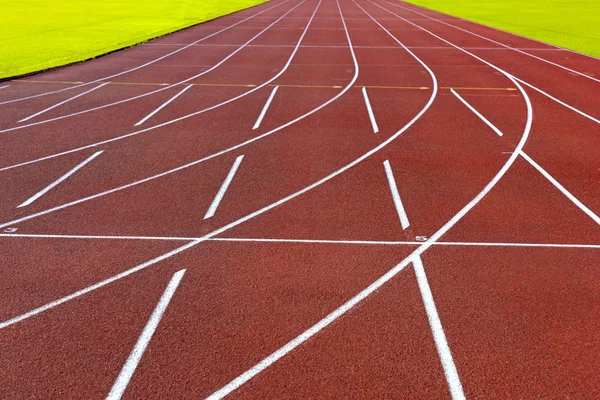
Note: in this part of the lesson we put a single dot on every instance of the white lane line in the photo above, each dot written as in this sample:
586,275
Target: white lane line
470,107
501,44
217,200
64,102
147,117
265,108
306,241
370,110
148,63
4,87
59,180
134,358
396,195
452,378
560,187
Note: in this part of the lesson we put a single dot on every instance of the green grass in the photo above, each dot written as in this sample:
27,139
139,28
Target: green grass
572,24
40,34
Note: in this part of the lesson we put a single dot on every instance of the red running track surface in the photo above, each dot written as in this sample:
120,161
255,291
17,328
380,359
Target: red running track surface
305,199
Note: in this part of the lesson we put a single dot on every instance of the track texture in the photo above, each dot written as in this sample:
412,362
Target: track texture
306,199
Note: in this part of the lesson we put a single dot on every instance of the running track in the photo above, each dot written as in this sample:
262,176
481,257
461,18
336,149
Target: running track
305,199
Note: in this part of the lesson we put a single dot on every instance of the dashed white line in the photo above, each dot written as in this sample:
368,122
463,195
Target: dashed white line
64,102
265,108
59,180
370,110
452,378
560,187
470,107
217,200
147,117
396,195
134,358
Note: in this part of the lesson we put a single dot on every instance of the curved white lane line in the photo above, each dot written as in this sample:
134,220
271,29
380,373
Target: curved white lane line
195,242
493,66
145,64
498,43
217,65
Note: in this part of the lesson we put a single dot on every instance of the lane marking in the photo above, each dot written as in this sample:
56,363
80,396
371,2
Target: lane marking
120,385
562,189
306,241
265,108
470,107
166,103
396,195
217,200
143,65
59,180
499,43
63,102
4,87
492,65
370,110
452,378
217,65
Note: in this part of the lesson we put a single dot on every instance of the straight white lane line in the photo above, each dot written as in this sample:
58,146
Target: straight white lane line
470,107
560,187
4,87
396,195
132,362
64,102
59,180
306,241
370,110
147,117
452,378
265,108
217,200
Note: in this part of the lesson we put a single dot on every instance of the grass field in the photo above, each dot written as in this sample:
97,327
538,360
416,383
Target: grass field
39,34
573,24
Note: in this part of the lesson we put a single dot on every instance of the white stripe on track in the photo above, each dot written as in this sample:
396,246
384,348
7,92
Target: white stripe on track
370,110
452,378
306,241
265,108
502,44
470,107
240,48
59,180
217,200
120,385
63,102
562,189
4,87
396,195
145,64
166,103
